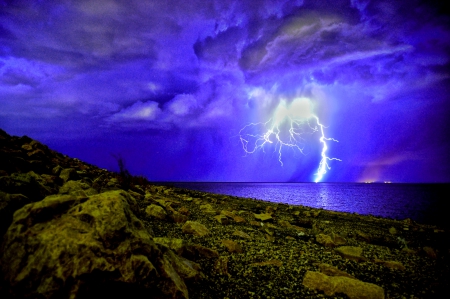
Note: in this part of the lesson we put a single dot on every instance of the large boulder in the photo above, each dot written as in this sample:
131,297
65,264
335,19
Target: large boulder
87,247
353,288
9,203
29,184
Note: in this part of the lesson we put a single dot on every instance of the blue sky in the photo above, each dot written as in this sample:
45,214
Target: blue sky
169,85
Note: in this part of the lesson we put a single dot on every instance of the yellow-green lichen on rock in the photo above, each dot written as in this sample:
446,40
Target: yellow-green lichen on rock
69,246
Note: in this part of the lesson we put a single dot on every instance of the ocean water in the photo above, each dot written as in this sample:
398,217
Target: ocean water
424,203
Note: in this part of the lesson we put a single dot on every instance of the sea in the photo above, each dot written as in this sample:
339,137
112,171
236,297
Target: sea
423,203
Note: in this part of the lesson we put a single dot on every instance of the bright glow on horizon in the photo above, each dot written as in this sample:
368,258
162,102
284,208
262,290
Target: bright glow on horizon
285,128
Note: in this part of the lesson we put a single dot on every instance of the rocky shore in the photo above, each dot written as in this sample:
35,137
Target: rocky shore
71,230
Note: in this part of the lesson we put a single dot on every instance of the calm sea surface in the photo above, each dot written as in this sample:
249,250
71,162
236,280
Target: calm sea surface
424,203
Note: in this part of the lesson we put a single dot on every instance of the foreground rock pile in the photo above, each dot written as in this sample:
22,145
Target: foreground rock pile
70,230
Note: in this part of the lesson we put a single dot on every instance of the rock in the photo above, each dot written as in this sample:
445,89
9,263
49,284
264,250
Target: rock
332,271
156,212
331,285
255,223
263,217
239,219
325,240
208,209
338,240
222,219
196,251
77,188
221,266
28,184
408,250
184,211
57,170
195,228
182,248
232,246
276,263
270,210
186,269
177,245
350,252
430,252
391,264
269,238
363,236
241,234
9,203
178,217
227,214
68,174
75,247
284,223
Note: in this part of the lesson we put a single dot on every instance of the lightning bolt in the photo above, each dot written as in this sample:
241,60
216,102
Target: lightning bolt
286,129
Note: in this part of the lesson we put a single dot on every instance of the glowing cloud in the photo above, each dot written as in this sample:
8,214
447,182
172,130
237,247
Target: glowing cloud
286,128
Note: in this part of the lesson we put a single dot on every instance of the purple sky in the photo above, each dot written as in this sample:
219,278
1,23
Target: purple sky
168,85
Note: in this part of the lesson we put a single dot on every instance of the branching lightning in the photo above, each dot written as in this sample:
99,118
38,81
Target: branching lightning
286,128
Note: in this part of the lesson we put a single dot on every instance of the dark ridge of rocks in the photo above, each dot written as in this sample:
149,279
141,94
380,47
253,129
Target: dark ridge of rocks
70,230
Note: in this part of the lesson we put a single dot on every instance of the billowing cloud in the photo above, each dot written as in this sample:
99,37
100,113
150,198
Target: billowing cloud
139,111
195,72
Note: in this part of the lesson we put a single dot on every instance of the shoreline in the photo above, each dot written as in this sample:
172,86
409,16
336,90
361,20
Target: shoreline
70,229
314,231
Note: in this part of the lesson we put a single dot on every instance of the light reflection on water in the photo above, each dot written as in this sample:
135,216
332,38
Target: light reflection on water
424,203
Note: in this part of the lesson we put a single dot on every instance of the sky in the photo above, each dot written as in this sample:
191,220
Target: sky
236,91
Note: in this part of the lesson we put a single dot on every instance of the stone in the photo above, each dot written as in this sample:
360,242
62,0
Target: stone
232,246
391,264
325,240
227,214
221,266
269,238
284,223
77,188
68,174
276,263
255,223
189,251
196,252
408,250
75,247
430,252
241,234
338,240
222,219
178,217
350,252
184,211
208,209
155,211
270,210
239,219
28,184
195,228
177,245
263,217
9,203
332,271
353,288
363,236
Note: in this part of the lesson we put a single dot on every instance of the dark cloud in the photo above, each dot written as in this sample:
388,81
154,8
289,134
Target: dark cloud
191,74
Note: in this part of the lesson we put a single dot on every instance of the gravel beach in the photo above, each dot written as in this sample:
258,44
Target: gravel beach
278,244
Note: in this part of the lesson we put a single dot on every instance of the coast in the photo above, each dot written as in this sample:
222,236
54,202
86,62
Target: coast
72,230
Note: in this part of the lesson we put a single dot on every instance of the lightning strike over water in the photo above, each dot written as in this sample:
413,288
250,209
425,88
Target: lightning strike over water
287,128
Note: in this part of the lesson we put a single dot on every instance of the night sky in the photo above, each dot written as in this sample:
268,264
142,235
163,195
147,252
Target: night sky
168,86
